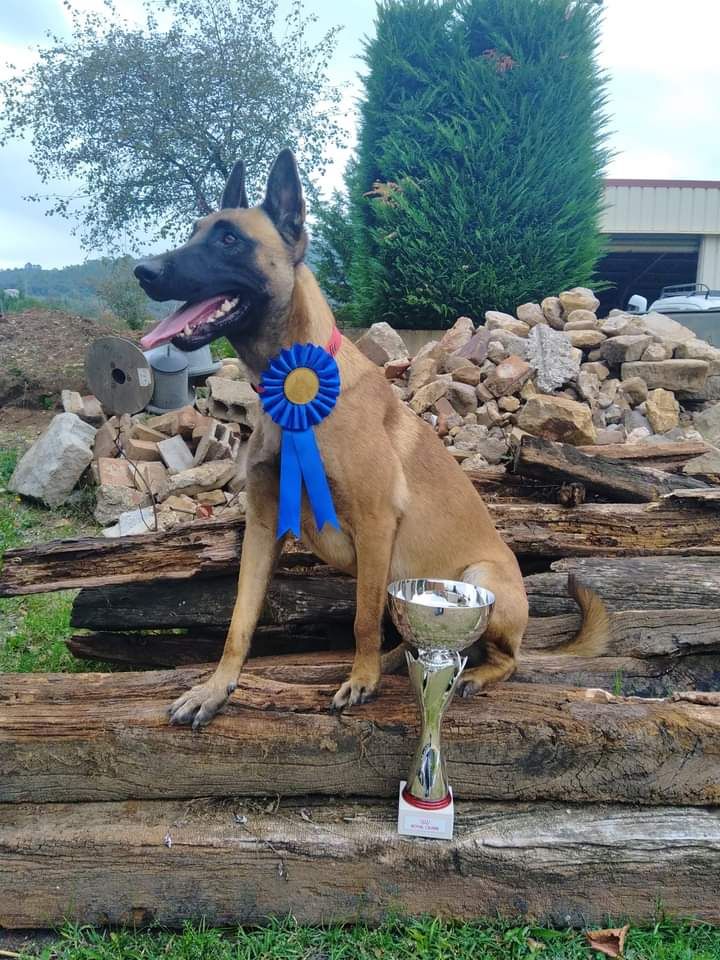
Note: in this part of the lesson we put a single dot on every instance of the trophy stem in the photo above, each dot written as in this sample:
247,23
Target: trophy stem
433,678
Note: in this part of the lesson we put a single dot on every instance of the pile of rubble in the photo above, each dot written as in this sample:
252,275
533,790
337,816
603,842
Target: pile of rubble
553,371
557,371
150,472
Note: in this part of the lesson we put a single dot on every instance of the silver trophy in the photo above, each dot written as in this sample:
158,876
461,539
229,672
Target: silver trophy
439,618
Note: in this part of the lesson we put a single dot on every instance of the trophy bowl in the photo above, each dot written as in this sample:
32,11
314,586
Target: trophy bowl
439,616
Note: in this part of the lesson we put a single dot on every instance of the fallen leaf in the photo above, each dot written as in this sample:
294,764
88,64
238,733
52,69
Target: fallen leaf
611,942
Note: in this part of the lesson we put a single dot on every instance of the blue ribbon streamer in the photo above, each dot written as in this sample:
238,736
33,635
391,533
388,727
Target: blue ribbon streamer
300,459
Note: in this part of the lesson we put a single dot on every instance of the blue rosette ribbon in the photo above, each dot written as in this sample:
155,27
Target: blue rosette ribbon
298,389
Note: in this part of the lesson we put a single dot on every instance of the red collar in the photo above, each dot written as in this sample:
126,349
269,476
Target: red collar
332,346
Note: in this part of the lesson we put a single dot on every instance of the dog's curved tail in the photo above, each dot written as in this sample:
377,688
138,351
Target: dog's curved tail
593,638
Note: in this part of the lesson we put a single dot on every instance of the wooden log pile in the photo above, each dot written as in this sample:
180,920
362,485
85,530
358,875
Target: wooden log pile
586,786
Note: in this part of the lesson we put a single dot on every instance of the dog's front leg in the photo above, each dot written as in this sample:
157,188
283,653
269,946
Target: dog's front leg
260,552
374,544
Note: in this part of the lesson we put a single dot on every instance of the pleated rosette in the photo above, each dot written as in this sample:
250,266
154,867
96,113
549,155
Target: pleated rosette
298,389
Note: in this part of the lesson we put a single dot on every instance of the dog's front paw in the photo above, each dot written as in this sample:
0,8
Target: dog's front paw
200,704
360,688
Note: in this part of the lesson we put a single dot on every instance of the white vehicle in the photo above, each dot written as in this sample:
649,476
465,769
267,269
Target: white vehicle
694,305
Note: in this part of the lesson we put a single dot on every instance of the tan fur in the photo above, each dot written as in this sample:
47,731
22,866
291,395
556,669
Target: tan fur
406,508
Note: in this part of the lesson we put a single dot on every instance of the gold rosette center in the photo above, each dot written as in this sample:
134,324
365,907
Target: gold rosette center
301,385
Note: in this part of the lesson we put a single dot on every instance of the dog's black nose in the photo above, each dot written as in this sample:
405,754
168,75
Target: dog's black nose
148,270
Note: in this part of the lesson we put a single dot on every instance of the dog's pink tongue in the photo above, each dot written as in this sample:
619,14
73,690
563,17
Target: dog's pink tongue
171,326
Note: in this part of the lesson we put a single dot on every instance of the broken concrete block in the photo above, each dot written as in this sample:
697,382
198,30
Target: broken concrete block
233,400
92,411
212,498
182,504
141,450
133,522
55,462
175,454
107,439
150,477
141,431
217,443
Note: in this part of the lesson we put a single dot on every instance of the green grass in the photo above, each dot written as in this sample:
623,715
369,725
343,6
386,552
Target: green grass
33,629
395,940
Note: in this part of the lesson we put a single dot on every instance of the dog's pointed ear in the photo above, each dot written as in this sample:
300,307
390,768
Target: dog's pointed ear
284,202
234,193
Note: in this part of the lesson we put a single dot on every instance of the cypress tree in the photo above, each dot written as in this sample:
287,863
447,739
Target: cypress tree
478,182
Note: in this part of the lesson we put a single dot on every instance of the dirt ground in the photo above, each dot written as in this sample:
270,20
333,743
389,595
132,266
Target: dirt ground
43,352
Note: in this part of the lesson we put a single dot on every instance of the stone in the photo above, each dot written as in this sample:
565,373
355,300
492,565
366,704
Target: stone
489,414
467,374
552,310
597,368
494,320
493,449
663,410
700,350
92,411
622,325
497,352
141,449
509,404
452,362
617,350
71,402
475,350
459,334
657,352
610,435
165,423
632,419
588,385
531,314
175,454
474,462
577,317
579,298
707,423
132,523
207,476
112,501
236,401
666,329
422,372
181,503
468,438
427,395
212,498
381,343
106,439
141,431
114,472
508,377
710,391
638,435
229,371
51,467
707,465
669,374
150,477
557,418
635,389
463,398
394,369
431,349
512,344
550,352
584,339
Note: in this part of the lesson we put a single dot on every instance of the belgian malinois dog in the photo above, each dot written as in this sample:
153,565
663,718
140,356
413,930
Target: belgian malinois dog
405,507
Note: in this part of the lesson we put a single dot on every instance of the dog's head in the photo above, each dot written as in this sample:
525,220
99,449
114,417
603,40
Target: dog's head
238,266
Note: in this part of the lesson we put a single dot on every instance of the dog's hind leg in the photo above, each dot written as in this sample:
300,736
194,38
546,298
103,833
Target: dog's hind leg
507,624
260,552
373,548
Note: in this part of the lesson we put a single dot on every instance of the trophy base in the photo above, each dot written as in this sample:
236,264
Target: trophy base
436,822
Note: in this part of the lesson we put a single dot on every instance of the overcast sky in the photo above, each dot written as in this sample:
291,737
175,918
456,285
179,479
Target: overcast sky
662,57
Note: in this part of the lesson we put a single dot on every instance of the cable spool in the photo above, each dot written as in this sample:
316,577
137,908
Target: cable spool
119,375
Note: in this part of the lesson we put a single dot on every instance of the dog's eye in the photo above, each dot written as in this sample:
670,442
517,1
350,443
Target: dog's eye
229,238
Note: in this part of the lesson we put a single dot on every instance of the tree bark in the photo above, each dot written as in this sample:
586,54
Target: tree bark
106,737
230,862
212,548
616,479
